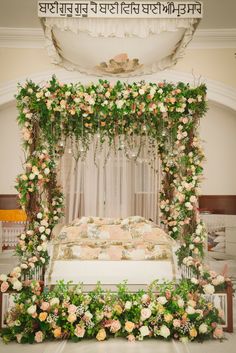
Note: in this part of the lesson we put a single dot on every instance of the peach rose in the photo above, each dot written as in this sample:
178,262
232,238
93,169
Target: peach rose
115,326
129,326
71,318
4,287
38,336
57,332
131,338
101,335
79,331
218,332
43,316
44,306
168,317
193,332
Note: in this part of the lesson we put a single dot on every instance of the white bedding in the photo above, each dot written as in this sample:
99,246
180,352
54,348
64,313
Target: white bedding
110,271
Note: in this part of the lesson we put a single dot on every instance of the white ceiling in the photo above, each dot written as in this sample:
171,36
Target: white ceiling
23,13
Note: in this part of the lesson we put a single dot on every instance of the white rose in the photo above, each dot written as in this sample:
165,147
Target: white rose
141,91
194,280
209,289
162,300
41,229
144,331
203,328
31,310
46,171
119,104
188,205
48,231
145,314
218,280
39,248
23,236
193,199
180,303
88,315
44,223
17,285
44,246
24,266
190,310
3,277
31,176
39,215
43,237
54,301
128,305
145,298
164,331
30,232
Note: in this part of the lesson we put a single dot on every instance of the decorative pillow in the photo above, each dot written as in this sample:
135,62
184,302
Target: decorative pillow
219,239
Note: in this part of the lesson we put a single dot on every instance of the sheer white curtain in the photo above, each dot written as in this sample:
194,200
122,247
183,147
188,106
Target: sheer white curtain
108,184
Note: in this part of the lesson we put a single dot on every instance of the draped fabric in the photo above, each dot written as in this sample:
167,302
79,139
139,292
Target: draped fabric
108,184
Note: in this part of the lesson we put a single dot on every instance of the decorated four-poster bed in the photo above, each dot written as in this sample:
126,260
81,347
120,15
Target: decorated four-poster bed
92,249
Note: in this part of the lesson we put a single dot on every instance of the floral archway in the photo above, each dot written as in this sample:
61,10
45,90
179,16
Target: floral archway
169,116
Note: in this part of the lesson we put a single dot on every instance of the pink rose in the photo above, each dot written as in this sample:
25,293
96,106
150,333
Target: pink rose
176,323
218,332
4,287
79,331
38,336
44,306
115,326
131,338
145,313
72,309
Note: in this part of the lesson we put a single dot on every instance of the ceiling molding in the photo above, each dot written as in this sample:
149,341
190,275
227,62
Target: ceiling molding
34,38
217,91
214,38
21,38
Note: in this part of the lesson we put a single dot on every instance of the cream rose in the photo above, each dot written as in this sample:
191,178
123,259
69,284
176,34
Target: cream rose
162,300
3,277
203,328
144,331
164,331
209,289
54,301
32,310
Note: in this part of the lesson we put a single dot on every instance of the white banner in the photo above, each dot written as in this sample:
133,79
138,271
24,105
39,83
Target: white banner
120,9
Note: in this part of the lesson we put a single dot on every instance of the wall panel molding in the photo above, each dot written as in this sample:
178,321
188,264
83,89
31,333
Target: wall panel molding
34,38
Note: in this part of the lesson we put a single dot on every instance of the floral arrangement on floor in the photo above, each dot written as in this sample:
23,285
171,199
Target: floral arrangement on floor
66,312
168,115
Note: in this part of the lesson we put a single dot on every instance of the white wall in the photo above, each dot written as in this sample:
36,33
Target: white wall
11,154
218,129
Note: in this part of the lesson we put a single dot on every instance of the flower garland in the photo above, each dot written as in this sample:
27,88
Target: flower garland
164,311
